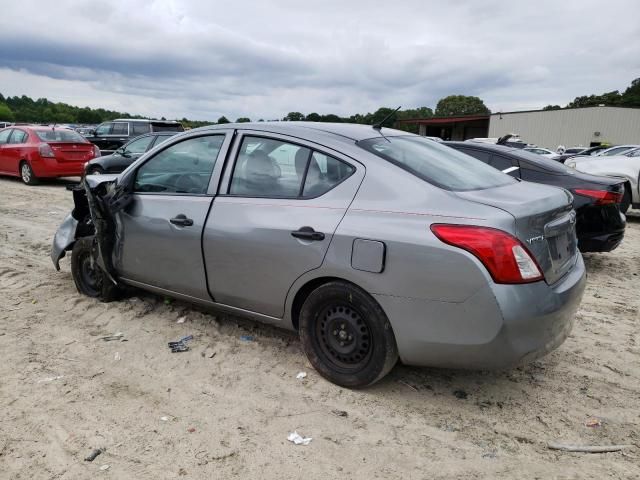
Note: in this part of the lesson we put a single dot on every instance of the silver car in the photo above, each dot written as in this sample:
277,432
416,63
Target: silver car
372,243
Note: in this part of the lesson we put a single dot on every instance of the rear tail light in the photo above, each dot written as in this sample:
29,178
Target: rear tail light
46,150
504,256
601,197
96,151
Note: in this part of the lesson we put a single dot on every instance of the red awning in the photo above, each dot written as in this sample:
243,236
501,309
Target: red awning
445,120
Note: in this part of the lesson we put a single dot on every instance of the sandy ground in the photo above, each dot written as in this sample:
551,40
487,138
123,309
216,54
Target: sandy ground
64,391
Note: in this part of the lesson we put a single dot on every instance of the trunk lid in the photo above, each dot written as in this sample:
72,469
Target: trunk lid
544,222
72,151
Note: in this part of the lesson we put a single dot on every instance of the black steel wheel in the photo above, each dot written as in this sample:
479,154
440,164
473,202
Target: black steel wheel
87,275
346,335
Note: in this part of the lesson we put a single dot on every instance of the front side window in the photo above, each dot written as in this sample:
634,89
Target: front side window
4,136
104,129
139,145
183,168
435,163
120,128
18,137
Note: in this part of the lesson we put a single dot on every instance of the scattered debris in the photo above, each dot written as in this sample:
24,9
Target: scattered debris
340,413
104,467
408,385
168,301
461,394
247,338
212,354
116,357
298,439
181,320
587,448
115,336
164,419
593,422
180,345
489,455
92,456
301,375
51,379
191,429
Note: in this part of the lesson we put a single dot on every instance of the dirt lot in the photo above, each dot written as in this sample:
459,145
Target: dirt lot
64,391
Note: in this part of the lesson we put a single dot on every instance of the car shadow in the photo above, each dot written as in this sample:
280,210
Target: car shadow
61,181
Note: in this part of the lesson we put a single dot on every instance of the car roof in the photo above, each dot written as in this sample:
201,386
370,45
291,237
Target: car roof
351,131
143,120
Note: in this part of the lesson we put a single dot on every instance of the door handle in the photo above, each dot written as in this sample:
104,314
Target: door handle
307,233
181,220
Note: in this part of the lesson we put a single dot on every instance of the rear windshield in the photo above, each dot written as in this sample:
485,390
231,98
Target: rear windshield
61,135
545,163
167,127
435,163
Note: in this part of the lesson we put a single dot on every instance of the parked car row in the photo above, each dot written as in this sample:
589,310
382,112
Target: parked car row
372,243
110,136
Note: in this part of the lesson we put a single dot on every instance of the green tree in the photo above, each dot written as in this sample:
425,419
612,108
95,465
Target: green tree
293,117
455,105
243,120
6,114
223,119
552,107
631,96
313,117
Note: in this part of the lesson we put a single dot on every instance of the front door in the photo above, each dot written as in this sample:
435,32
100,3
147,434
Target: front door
159,232
283,200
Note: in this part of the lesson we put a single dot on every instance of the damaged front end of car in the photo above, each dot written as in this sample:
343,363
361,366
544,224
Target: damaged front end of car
96,200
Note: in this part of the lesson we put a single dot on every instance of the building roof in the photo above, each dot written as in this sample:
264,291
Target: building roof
444,120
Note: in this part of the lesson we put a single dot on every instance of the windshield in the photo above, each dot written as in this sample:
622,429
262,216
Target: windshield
435,163
61,135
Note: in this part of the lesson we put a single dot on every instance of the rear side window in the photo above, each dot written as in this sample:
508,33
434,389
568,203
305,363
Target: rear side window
183,168
480,155
140,128
18,137
273,168
61,135
166,127
139,145
435,163
120,128
4,136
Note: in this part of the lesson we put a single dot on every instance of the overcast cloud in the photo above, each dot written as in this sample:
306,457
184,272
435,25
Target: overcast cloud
201,59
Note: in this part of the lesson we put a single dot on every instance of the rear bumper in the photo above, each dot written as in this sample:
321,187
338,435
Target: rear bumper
51,167
600,229
499,327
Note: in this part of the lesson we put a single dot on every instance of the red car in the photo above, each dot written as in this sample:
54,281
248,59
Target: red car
33,152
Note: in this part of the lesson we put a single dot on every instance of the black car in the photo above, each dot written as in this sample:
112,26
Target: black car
126,155
584,153
600,224
109,136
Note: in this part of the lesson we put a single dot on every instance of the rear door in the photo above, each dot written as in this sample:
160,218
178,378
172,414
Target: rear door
13,150
280,202
4,151
160,231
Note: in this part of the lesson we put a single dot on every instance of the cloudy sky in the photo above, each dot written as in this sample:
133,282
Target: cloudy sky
201,59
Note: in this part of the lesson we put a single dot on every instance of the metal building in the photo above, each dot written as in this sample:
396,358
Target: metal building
588,126
571,127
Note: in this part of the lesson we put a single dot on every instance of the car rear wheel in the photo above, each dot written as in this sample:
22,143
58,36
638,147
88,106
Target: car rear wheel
87,275
346,335
27,175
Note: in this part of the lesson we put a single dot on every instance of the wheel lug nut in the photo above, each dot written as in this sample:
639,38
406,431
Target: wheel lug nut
342,344
350,337
342,326
335,332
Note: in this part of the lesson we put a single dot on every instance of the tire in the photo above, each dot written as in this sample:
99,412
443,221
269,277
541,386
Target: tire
95,170
88,277
626,200
26,174
346,335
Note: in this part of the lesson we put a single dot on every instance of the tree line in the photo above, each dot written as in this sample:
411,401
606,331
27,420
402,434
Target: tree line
42,110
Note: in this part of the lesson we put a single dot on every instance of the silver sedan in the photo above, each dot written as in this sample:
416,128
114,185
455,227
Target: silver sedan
372,243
